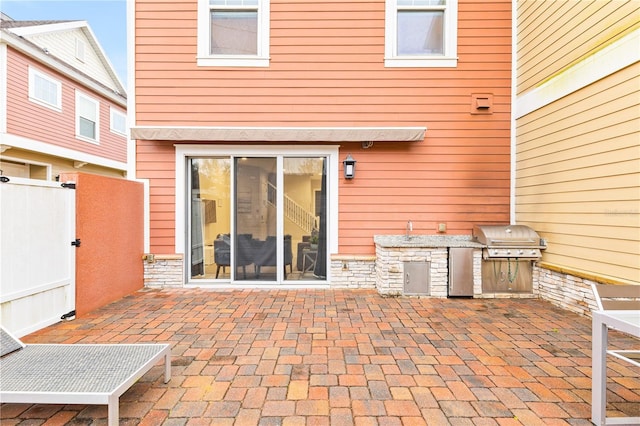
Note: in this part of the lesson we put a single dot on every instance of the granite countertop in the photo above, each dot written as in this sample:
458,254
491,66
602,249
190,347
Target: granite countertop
426,241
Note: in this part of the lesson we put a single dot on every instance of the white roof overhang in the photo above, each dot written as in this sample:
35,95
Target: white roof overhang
25,32
39,55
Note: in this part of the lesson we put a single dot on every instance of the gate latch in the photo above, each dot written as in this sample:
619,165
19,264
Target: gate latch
76,242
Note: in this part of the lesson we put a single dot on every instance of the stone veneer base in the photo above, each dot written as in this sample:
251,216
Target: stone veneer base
384,273
164,271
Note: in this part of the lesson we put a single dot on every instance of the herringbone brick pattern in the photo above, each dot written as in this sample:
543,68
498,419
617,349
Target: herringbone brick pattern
346,357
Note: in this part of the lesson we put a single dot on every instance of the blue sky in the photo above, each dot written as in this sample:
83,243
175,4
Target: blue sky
107,19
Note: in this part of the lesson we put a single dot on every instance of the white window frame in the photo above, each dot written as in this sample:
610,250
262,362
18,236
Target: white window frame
33,96
96,103
450,57
113,114
183,152
205,58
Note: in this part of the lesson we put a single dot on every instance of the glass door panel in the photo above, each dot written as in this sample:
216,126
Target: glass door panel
210,218
264,219
304,211
256,213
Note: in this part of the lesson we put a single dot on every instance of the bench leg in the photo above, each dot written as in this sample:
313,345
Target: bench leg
167,367
113,416
599,372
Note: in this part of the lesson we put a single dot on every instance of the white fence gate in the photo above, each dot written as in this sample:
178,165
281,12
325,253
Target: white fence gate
37,260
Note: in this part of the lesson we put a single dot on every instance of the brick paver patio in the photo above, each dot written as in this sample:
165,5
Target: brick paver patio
346,357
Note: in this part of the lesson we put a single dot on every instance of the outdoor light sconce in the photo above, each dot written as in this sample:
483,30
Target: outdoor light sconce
349,167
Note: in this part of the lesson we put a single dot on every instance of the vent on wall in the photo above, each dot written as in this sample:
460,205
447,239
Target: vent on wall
481,103
80,48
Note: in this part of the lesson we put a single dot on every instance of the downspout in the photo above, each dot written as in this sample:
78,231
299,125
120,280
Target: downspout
512,167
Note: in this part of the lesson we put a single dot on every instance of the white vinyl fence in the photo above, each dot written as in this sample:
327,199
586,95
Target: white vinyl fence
37,260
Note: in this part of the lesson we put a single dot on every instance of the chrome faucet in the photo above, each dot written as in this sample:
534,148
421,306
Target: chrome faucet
409,229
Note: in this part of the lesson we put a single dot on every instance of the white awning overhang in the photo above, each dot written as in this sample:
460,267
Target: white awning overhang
279,134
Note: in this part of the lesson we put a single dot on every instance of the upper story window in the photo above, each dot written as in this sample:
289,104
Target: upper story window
45,90
87,118
118,121
233,33
421,33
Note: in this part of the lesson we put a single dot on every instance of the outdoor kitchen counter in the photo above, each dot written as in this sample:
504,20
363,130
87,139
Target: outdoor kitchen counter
419,264
401,241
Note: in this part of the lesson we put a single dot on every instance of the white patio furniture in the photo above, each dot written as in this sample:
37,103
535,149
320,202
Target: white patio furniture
75,373
618,309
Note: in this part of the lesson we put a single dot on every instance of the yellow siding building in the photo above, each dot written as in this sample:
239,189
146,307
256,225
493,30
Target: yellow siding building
577,145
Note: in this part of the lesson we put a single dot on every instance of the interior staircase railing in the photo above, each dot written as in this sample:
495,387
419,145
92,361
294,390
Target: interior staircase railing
293,211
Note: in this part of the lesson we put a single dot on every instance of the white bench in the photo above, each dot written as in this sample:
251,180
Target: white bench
75,373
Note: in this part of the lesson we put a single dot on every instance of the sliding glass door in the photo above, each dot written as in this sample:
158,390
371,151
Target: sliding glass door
256,213
304,214
210,221
260,219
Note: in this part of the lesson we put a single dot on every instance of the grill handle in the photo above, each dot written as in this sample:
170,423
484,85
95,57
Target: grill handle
513,242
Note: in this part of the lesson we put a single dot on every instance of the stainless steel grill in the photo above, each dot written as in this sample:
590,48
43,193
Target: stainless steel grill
508,242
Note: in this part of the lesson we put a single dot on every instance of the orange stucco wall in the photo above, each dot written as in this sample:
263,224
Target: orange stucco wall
327,70
109,224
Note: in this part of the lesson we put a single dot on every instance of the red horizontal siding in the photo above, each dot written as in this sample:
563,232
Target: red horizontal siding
327,69
156,162
36,122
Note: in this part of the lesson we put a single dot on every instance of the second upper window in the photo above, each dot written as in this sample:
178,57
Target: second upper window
87,118
421,33
233,33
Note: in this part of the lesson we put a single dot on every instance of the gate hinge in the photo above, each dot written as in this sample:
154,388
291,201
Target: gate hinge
69,185
69,316
76,242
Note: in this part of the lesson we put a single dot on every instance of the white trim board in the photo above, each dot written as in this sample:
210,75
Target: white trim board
618,55
57,151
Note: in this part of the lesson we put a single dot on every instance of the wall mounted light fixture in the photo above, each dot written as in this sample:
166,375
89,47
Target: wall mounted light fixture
349,167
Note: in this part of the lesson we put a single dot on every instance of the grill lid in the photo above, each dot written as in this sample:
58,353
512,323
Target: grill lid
508,241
